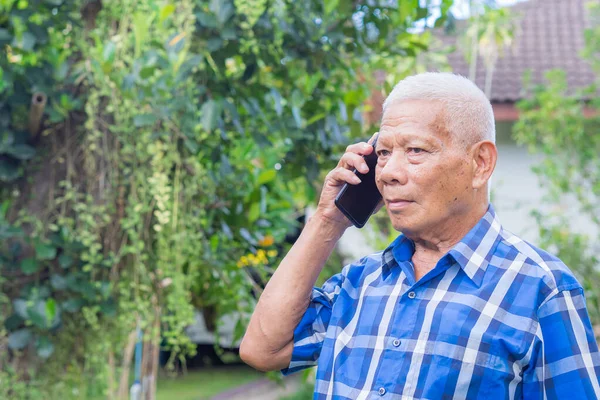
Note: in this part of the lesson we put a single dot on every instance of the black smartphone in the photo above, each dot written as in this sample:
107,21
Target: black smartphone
358,202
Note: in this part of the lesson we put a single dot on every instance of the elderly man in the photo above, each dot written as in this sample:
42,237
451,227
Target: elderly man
456,307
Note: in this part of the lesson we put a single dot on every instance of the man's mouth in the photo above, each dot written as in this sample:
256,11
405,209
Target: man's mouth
397,204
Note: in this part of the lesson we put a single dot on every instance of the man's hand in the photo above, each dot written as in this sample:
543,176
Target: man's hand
339,176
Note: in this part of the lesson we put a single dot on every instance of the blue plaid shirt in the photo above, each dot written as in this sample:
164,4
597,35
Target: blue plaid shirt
497,318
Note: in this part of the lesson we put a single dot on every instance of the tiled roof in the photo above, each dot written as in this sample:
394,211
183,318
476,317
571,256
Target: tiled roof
551,35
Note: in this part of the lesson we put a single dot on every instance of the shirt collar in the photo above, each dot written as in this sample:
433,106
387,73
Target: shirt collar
473,253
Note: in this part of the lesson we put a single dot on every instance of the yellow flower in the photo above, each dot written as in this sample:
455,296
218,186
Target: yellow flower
261,255
272,253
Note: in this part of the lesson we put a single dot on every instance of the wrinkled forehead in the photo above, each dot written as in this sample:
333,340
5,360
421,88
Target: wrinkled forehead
416,117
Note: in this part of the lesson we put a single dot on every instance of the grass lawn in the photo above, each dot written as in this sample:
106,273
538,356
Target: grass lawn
205,382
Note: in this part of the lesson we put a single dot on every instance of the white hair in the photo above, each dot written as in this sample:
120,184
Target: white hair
468,112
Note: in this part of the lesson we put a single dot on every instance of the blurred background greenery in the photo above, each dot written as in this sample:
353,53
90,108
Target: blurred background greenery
157,159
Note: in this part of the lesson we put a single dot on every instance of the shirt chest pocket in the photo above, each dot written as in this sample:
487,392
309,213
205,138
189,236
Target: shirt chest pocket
459,365
472,358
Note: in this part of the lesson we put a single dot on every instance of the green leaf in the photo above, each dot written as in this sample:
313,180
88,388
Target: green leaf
297,116
144,120
228,33
44,347
65,260
45,251
422,12
6,141
207,20
104,289
141,24
210,113
20,307
407,7
27,41
109,52
19,339
4,206
9,170
191,145
13,322
315,118
5,36
166,12
214,243
254,212
58,282
72,305
108,308
29,266
37,314
239,330
176,42
277,101
330,5
226,230
21,151
222,9
247,236
43,292
266,176
7,231
50,309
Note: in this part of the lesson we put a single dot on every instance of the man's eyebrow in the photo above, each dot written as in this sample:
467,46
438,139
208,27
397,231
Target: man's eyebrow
410,137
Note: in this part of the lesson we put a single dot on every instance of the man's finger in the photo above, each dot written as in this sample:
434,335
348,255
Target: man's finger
341,175
361,148
370,141
353,160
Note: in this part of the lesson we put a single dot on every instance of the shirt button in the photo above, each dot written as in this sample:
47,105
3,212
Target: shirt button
411,295
396,342
381,391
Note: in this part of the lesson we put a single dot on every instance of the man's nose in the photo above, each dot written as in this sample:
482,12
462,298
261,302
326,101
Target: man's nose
394,171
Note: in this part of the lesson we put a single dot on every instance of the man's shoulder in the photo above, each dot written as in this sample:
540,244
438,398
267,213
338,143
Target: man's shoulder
363,265
539,263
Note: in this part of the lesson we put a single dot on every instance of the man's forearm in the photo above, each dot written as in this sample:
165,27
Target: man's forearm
287,295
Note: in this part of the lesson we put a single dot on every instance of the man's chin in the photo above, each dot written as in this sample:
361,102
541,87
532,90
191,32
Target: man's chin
406,225
400,220
401,226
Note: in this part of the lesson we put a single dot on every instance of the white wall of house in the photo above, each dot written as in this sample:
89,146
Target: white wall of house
516,190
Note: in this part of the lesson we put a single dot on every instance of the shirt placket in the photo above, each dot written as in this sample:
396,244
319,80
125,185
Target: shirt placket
404,323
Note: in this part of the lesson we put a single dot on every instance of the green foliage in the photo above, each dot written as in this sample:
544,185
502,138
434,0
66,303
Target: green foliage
553,122
574,250
34,37
181,140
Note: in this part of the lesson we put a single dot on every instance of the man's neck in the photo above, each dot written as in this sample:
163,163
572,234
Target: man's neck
430,249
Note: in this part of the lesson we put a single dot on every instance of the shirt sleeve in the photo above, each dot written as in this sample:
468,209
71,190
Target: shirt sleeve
564,363
310,332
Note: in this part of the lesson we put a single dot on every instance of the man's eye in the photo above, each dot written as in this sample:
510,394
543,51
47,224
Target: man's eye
383,153
415,150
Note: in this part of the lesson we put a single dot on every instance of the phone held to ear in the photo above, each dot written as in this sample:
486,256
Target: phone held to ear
358,202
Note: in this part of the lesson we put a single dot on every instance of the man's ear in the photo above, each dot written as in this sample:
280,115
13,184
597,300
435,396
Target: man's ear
484,156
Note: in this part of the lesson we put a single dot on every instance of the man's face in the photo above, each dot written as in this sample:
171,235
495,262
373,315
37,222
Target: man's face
423,173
